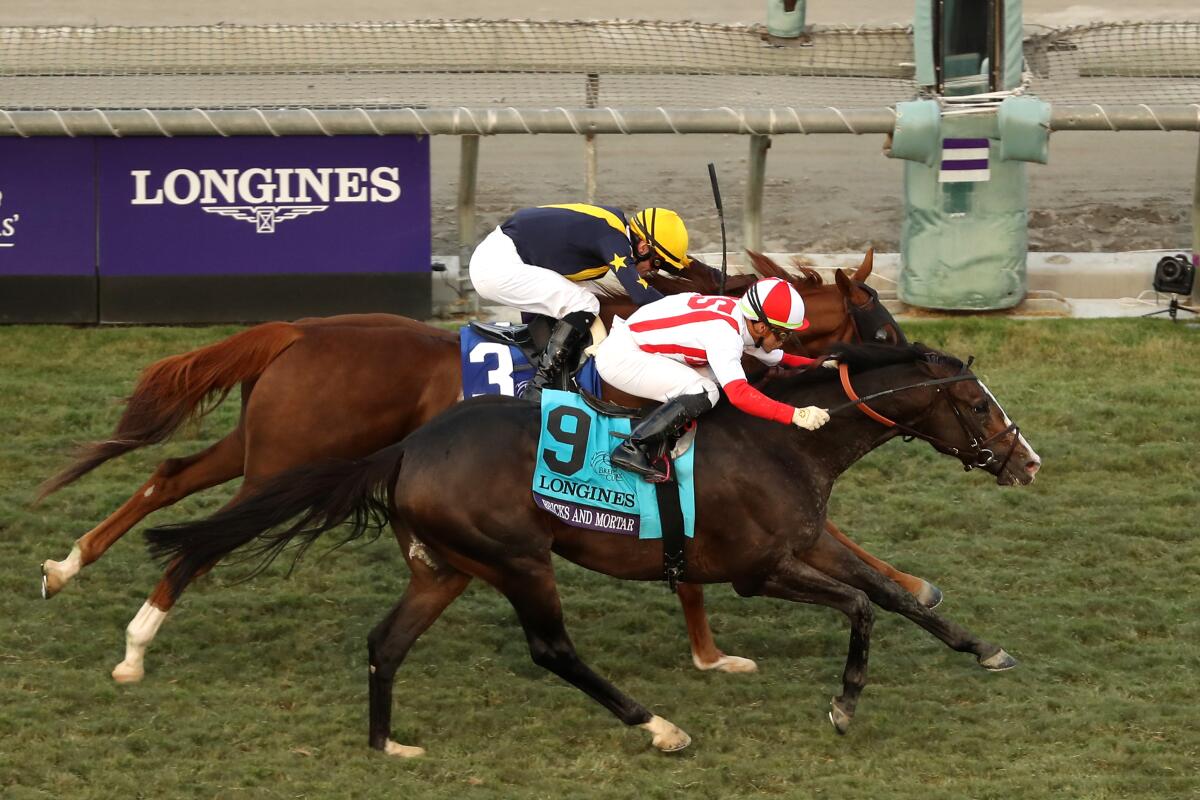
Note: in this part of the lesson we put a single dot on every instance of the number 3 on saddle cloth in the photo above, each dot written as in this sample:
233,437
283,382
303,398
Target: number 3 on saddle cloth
575,481
496,360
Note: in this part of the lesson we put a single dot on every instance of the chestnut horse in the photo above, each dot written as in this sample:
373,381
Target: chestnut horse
461,485
385,375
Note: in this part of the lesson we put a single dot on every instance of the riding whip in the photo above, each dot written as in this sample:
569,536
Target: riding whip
712,176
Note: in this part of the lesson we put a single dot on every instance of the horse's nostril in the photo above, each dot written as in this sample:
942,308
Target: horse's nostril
1032,467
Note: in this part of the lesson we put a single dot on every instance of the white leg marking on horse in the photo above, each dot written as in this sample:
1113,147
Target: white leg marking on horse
420,552
726,664
149,491
402,750
667,736
56,574
138,635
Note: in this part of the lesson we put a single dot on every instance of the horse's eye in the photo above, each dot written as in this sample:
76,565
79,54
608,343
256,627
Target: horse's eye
981,408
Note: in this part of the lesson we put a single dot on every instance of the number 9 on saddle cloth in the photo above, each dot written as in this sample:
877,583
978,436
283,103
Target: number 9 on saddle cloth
499,359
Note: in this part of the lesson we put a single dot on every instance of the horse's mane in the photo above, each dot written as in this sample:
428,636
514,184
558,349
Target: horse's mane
865,357
809,278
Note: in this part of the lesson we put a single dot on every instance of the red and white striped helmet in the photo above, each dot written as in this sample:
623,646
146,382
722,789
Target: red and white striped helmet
775,302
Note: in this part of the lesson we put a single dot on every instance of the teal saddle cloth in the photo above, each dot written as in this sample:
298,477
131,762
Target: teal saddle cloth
575,481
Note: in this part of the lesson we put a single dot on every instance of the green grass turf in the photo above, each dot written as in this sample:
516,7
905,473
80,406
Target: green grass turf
258,689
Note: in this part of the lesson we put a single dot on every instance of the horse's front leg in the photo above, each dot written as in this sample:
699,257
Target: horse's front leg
705,654
830,557
929,595
792,579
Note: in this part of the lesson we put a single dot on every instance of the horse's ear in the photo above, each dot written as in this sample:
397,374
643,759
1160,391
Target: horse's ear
849,288
843,282
868,263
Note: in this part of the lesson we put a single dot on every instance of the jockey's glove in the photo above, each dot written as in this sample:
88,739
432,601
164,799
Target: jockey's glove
830,363
810,417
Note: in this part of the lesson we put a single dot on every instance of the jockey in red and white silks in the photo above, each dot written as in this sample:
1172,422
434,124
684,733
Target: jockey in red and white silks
678,350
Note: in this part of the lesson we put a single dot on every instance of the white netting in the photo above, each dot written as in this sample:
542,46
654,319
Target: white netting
1156,63
473,64
523,65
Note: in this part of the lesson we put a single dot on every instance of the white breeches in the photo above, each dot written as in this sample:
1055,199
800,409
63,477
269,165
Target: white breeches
625,366
498,274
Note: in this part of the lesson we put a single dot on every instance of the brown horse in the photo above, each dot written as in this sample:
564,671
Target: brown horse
462,486
385,376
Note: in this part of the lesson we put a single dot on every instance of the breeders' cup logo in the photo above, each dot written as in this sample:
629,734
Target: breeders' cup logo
266,197
603,466
8,226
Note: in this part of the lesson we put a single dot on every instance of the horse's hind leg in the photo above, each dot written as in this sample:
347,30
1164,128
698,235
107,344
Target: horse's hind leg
929,595
144,626
705,654
173,480
830,557
428,594
794,580
534,595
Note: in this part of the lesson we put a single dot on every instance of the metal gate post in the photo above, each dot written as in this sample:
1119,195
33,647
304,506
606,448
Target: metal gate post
1195,298
468,171
589,146
755,180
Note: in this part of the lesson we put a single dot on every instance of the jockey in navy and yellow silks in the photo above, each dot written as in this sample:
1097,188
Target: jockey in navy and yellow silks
542,260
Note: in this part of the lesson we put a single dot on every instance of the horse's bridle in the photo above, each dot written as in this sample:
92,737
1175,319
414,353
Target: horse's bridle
977,455
872,318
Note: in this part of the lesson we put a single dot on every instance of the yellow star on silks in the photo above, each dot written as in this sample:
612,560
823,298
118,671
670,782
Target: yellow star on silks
618,261
642,282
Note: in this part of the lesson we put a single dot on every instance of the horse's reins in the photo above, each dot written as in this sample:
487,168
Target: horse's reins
980,455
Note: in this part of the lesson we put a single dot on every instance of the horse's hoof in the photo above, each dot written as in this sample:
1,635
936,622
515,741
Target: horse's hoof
128,673
727,664
668,737
838,718
998,662
930,596
402,750
52,579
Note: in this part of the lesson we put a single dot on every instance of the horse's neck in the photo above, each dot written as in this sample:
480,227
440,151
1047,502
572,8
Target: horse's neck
851,434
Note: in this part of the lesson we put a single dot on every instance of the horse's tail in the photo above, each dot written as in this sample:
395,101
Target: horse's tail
178,388
322,496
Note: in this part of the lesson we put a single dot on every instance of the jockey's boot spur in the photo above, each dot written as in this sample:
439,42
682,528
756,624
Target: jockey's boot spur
640,452
561,350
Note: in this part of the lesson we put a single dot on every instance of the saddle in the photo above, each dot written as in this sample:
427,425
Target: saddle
671,447
531,339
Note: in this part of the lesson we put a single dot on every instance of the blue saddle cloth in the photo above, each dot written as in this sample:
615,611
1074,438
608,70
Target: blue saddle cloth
490,367
575,481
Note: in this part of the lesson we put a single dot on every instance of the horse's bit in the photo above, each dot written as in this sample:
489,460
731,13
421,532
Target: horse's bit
977,455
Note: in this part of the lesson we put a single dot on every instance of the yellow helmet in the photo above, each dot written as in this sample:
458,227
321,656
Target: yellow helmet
664,231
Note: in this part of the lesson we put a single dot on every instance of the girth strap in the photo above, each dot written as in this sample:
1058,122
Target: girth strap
671,514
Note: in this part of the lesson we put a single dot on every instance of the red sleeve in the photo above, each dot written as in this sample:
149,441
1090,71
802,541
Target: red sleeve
792,361
746,398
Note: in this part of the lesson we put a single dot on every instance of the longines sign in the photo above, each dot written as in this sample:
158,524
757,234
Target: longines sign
264,205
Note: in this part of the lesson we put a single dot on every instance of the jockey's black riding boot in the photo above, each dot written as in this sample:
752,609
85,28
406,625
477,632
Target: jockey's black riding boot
637,453
560,351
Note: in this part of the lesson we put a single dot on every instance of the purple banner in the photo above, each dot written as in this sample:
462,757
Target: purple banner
47,206
264,205
592,518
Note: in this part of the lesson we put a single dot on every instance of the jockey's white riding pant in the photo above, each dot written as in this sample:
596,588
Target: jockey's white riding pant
625,366
498,274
